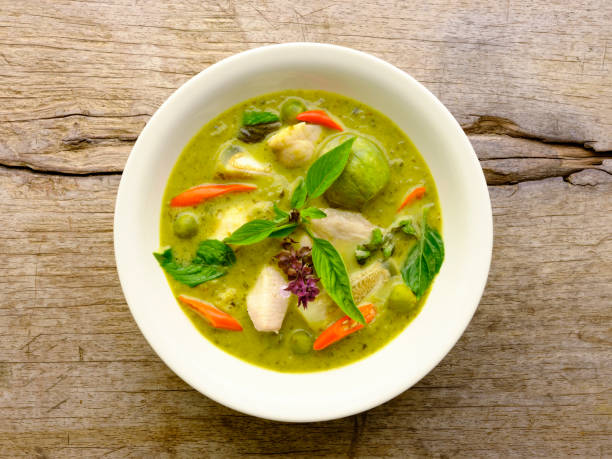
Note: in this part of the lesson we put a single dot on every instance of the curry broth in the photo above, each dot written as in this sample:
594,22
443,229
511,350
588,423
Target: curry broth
196,165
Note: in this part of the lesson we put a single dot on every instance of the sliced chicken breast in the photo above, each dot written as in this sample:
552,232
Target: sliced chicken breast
267,301
343,224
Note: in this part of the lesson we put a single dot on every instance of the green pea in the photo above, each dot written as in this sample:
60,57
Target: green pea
290,109
402,298
185,225
300,342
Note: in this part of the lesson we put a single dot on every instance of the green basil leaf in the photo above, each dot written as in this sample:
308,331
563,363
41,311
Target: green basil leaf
424,260
214,252
313,212
251,118
298,198
333,275
327,168
284,230
192,274
252,232
280,214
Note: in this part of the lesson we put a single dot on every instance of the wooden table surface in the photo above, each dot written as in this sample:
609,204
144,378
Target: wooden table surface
529,80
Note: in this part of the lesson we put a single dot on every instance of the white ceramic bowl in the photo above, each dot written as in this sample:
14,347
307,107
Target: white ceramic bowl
467,233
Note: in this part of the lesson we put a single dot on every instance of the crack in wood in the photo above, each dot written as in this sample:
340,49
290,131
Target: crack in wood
94,140
75,114
22,166
486,124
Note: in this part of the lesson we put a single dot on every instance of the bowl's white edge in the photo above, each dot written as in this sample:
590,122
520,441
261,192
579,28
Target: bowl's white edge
487,246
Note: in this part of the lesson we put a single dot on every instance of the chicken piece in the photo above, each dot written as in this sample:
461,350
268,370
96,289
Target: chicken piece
229,221
294,145
244,165
267,301
235,162
364,283
343,224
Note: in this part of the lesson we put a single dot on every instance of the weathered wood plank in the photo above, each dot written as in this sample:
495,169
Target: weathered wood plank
531,376
78,80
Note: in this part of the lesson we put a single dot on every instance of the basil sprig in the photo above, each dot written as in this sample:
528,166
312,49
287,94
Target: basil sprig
319,178
424,260
327,261
211,262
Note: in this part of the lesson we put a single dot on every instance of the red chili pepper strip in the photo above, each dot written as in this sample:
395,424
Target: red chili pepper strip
215,316
197,194
415,194
343,327
318,117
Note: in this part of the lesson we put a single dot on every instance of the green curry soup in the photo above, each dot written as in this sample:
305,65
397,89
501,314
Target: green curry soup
354,168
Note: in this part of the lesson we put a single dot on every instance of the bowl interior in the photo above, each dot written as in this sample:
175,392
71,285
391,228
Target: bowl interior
467,234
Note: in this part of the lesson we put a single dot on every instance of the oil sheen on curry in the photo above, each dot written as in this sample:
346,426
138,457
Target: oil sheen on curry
300,231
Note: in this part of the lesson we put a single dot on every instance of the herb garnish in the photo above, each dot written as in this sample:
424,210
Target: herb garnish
424,260
298,266
211,262
284,223
257,125
326,260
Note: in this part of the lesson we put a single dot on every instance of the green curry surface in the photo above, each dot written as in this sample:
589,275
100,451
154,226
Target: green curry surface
196,165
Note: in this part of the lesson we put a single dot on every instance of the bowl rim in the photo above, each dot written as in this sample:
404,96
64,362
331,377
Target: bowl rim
485,254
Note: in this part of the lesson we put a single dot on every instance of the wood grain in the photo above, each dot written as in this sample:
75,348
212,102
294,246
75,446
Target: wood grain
531,83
